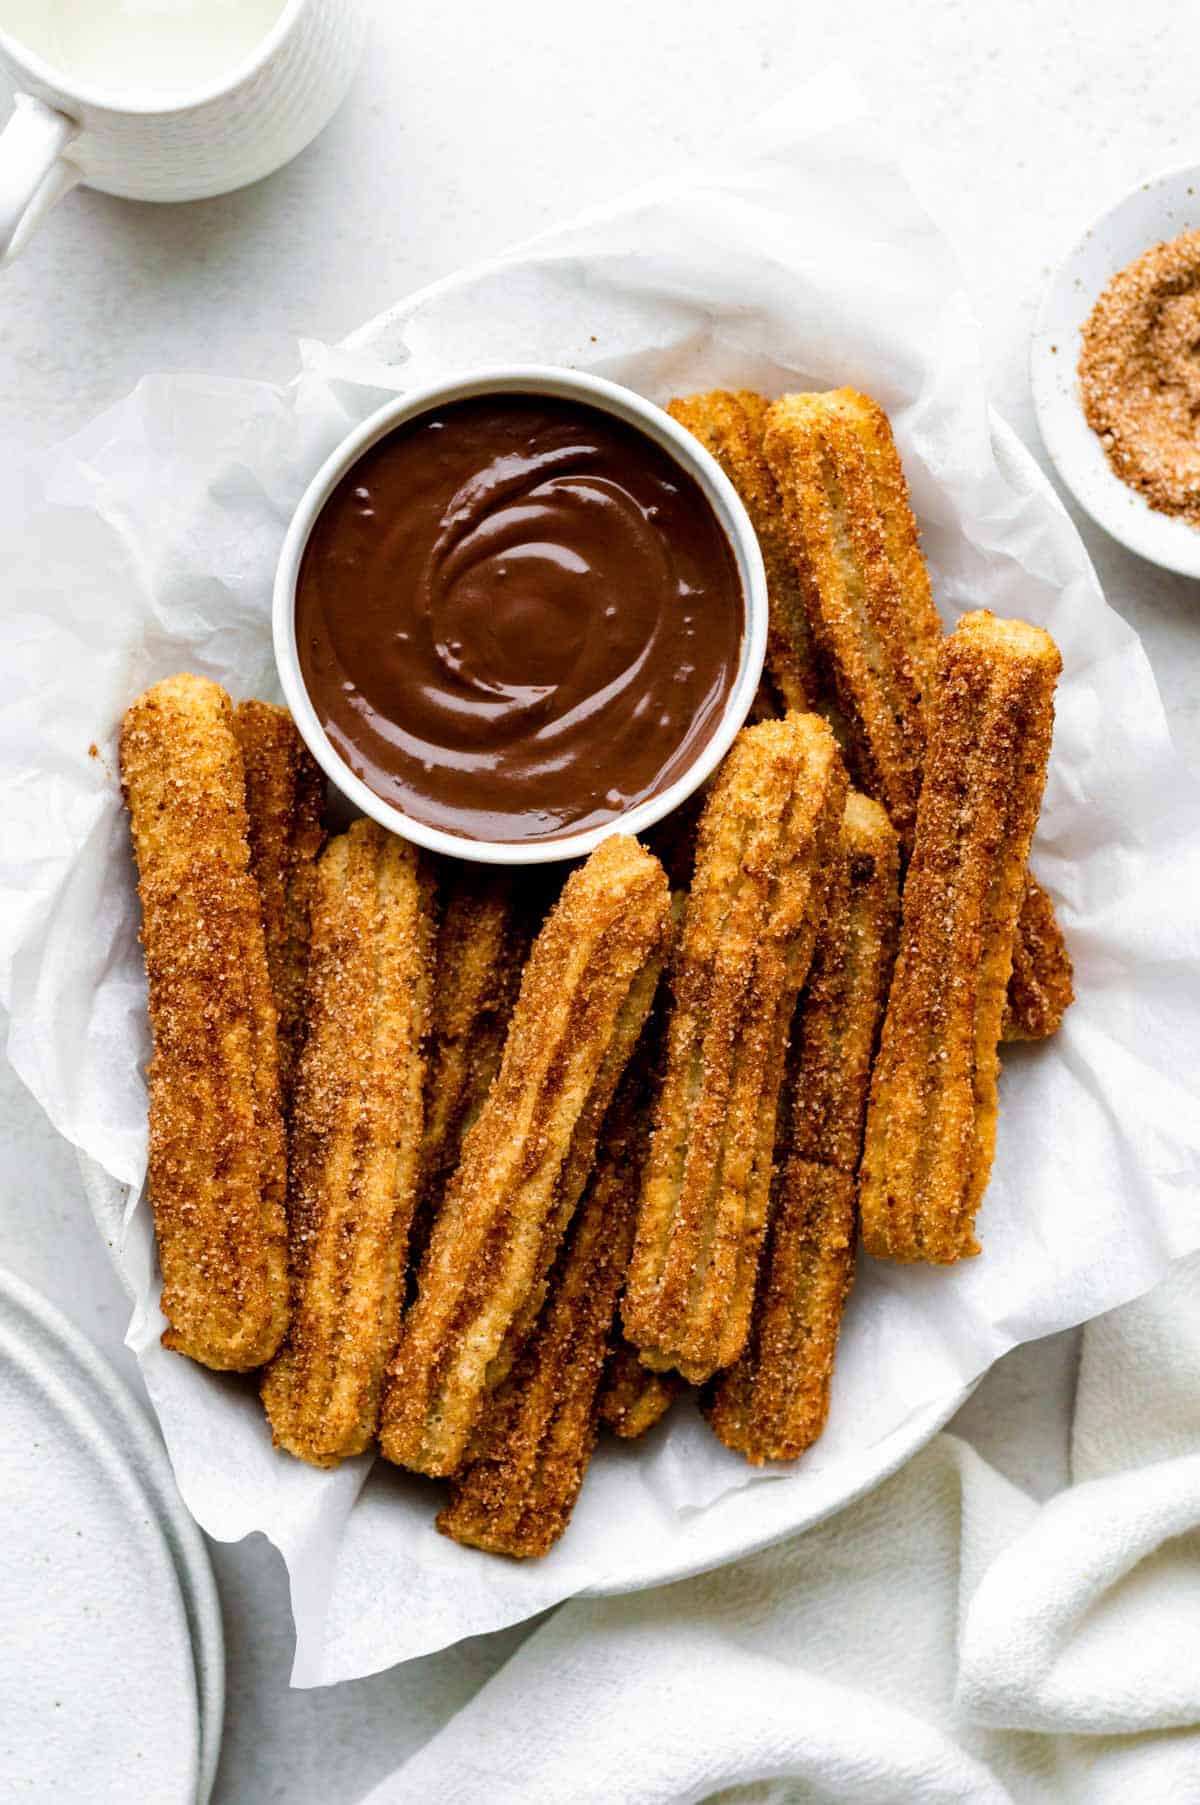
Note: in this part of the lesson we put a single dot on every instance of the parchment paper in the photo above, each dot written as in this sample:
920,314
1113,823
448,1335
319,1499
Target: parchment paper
798,258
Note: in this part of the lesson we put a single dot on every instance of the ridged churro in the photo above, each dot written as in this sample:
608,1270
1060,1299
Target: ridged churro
217,1165
355,1142
836,1027
285,797
858,554
488,920
773,1402
730,427
931,1125
516,1494
1040,990
770,821
829,487
583,1001
632,1398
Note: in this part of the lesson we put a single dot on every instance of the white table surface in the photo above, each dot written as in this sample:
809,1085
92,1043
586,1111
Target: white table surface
469,127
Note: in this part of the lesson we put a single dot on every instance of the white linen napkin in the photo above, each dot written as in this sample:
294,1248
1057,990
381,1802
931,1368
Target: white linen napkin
946,1639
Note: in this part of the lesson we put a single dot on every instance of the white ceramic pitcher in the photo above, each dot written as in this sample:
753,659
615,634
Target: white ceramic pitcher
148,139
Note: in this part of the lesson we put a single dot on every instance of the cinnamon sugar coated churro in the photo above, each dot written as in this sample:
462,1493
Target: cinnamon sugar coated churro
836,1027
487,925
632,1398
1041,988
747,938
730,427
584,997
869,632
773,1402
931,1124
355,1142
285,794
530,1457
217,1167
858,553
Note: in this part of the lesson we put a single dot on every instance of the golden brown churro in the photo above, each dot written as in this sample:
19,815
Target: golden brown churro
584,997
1040,990
858,552
528,1461
217,1169
730,427
931,1126
632,1398
747,939
861,619
488,922
285,797
773,1402
355,1142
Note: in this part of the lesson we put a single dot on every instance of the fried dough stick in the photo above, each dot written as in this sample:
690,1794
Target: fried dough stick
584,998
632,1398
773,1402
860,615
857,551
488,922
769,824
355,1142
730,427
931,1125
528,1462
285,798
1040,990
217,1166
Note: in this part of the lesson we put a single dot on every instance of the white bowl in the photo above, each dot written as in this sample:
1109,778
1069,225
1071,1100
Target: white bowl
658,426
1158,209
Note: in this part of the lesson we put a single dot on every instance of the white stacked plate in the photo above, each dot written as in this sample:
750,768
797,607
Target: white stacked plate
112,1667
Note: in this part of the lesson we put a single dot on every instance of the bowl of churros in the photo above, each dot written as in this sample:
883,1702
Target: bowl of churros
517,610
469,1163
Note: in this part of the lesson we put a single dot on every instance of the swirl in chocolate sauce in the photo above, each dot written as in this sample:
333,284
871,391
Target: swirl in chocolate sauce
517,617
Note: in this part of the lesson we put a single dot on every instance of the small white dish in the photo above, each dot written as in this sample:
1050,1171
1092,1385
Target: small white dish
655,424
1156,210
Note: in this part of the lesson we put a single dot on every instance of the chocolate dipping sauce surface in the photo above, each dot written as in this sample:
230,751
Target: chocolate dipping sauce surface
517,617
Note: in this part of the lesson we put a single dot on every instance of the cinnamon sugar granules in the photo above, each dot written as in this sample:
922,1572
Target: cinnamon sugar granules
1139,374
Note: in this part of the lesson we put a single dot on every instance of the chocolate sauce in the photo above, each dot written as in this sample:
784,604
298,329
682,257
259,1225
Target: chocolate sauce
517,617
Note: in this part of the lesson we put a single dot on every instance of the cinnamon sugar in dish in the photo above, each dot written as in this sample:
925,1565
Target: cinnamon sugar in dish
1139,374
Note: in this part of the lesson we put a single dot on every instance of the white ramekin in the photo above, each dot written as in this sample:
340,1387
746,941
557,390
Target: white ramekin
610,398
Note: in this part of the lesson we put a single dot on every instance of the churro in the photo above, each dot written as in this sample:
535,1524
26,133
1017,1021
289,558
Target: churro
1040,989
770,821
516,1494
488,919
858,555
217,1165
730,427
285,796
355,1142
584,996
773,1402
931,1124
829,488
632,1398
